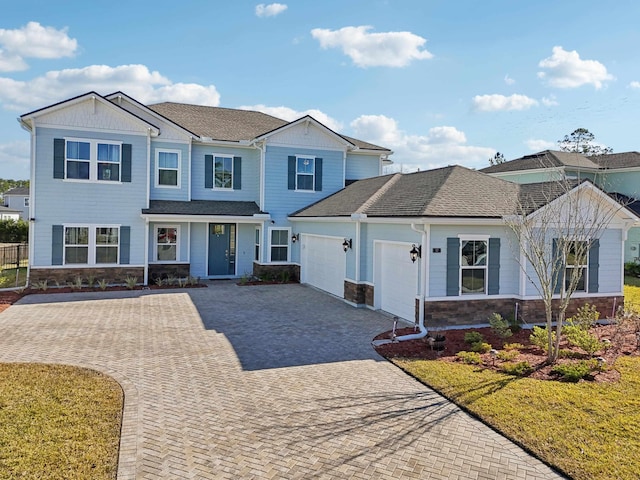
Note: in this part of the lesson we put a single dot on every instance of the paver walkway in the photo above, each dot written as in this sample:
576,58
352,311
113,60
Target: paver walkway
275,382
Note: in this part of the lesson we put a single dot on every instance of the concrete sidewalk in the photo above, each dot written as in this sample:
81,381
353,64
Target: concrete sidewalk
242,382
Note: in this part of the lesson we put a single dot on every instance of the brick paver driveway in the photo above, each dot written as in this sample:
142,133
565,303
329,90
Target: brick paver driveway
232,382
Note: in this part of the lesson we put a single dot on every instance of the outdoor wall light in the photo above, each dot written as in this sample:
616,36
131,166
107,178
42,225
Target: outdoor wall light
347,244
415,252
295,237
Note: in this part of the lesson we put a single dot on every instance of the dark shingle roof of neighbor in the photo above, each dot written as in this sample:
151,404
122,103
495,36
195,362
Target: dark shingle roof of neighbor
618,160
17,191
202,207
453,191
229,124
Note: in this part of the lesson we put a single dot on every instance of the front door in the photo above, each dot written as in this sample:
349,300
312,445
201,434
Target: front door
222,249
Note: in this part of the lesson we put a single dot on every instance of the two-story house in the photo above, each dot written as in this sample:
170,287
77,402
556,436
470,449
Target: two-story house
17,199
120,189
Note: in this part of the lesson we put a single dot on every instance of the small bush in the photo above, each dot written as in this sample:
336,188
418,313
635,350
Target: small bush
632,269
582,339
159,281
91,281
102,284
513,346
470,358
519,369
507,355
564,353
540,338
473,337
43,285
572,372
480,347
171,280
131,282
500,325
585,318
76,284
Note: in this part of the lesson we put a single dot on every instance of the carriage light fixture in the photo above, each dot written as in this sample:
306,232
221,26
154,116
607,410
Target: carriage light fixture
415,252
347,244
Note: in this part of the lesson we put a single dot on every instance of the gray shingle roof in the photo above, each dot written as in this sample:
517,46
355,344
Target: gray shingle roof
617,160
545,159
17,191
229,124
202,207
446,192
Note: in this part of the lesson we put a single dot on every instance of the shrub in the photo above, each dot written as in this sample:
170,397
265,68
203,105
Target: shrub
507,355
582,339
564,353
285,276
91,281
473,337
585,318
471,358
14,231
159,281
43,285
102,284
480,347
500,325
513,346
76,284
572,372
131,282
171,280
632,269
540,338
519,369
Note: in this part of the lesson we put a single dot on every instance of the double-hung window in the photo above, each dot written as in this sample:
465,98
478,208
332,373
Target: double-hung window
96,160
279,248
167,168
256,255
576,264
167,244
473,266
305,173
91,245
223,172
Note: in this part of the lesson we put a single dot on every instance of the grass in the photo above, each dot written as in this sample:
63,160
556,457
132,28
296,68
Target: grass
588,430
58,422
8,278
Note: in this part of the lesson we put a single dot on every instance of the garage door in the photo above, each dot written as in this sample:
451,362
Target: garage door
323,263
398,280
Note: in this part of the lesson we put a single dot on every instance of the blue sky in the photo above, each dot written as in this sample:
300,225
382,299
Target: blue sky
438,82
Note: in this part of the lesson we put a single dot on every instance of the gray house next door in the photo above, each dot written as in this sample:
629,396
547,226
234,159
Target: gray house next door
222,249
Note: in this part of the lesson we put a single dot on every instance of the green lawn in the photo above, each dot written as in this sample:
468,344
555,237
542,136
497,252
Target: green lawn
588,430
58,422
8,277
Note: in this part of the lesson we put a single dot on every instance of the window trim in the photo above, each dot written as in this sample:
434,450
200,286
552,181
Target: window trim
92,244
312,175
583,266
485,267
155,243
288,245
157,183
93,160
257,242
223,155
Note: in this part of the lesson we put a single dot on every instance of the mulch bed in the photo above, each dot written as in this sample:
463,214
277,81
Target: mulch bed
622,337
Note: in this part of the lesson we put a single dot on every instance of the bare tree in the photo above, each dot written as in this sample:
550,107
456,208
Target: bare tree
581,141
497,159
557,228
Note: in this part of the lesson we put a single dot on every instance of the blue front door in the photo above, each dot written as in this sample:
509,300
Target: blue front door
222,249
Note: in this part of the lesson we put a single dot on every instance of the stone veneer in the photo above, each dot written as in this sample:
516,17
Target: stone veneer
64,275
260,270
473,312
358,293
164,270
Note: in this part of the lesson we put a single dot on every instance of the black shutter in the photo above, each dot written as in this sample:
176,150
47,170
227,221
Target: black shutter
453,266
57,245
58,158
318,175
126,163
557,264
208,171
237,173
594,265
125,242
494,267
291,177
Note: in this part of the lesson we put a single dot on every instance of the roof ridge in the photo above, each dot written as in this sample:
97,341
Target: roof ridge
381,191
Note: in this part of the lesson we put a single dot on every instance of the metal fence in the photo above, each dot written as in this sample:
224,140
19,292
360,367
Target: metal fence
14,256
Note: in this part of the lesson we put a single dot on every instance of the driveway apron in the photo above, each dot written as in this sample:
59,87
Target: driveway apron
243,382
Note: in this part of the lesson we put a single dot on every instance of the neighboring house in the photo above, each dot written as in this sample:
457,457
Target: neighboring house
7,213
121,189
18,199
616,173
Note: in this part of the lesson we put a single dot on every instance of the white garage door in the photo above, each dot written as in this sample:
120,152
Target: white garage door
323,263
398,280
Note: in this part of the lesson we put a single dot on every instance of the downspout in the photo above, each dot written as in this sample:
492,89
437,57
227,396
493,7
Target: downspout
262,149
148,170
190,163
423,285
146,251
32,202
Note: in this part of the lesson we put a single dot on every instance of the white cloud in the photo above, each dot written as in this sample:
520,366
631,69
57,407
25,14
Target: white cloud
508,80
550,101
290,114
389,49
14,158
33,41
492,103
270,10
441,146
136,80
567,70
634,84
537,145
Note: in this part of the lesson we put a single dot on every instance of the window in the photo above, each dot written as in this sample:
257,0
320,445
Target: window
92,160
576,263
223,172
279,245
91,245
305,169
473,266
166,244
256,255
168,168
